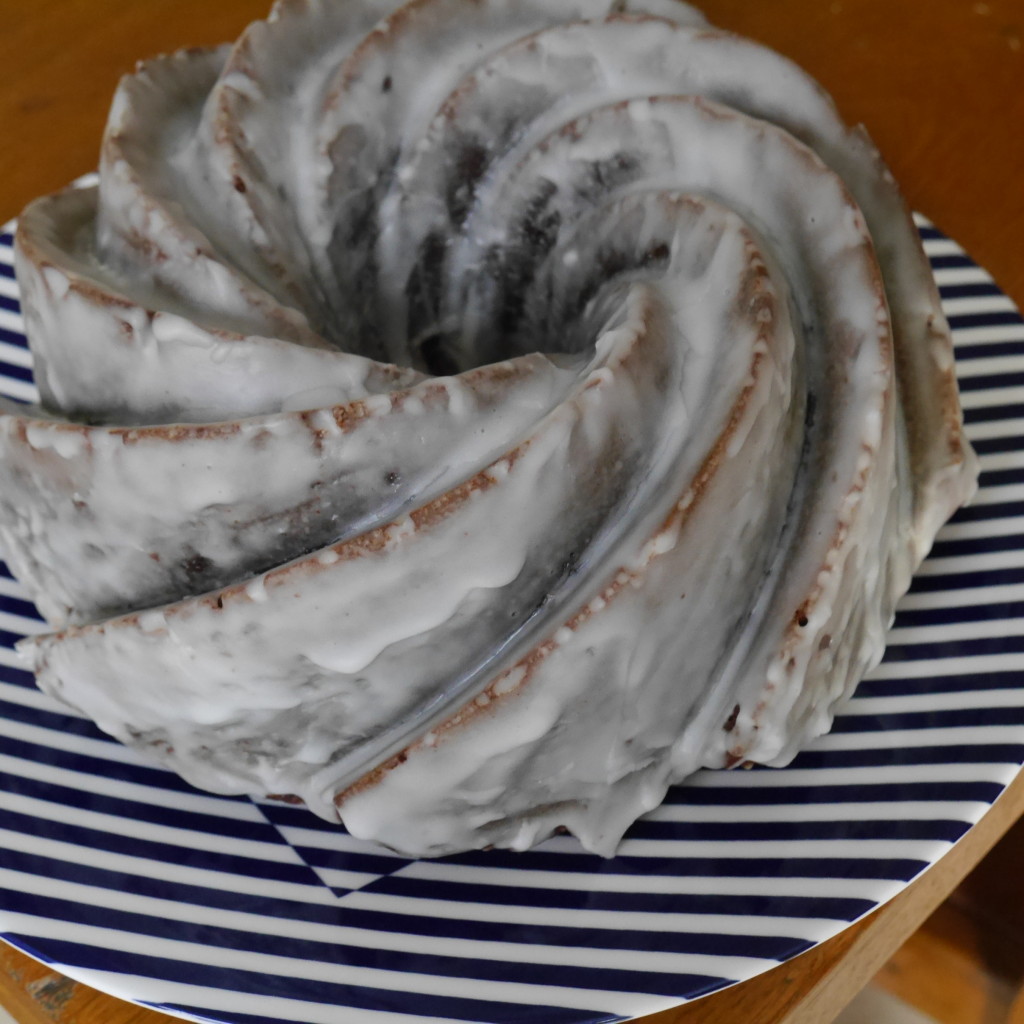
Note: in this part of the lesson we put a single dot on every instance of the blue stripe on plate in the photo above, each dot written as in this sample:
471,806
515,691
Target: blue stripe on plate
60,723
22,373
974,546
17,606
232,1017
794,907
995,509
759,863
998,445
18,677
939,754
83,767
838,794
135,810
998,478
988,350
964,684
786,857
212,895
964,578
986,383
122,842
970,613
936,718
951,262
972,290
988,413
798,831
997,318
959,648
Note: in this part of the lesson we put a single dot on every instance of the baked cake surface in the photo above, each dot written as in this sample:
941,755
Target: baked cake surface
472,418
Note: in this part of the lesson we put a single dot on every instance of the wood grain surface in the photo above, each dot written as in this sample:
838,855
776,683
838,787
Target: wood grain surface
940,87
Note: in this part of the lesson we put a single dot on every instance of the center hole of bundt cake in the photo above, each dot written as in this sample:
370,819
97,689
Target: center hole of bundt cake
434,354
555,314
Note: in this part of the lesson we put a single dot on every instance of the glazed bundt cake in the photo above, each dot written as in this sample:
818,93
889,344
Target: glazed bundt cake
472,417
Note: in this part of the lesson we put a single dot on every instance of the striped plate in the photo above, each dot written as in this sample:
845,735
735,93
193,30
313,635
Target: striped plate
232,910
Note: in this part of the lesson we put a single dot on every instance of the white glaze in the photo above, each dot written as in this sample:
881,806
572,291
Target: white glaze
127,351
98,520
531,595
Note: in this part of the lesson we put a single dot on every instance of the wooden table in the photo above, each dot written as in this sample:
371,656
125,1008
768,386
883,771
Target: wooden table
941,87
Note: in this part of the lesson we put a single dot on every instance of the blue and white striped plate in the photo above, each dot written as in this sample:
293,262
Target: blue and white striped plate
250,912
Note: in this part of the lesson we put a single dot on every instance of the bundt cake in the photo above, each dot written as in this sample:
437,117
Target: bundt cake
471,417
